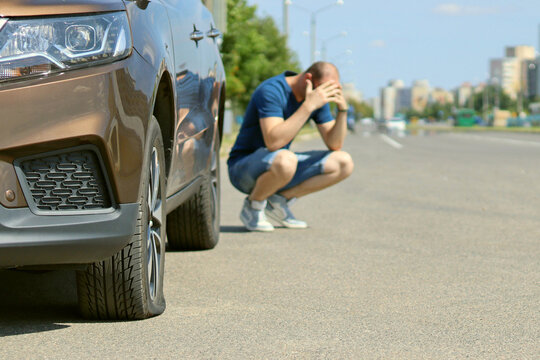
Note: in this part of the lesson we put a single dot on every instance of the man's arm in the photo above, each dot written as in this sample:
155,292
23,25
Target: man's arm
333,132
277,132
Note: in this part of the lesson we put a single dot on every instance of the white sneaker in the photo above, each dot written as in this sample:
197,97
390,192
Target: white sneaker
277,209
254,219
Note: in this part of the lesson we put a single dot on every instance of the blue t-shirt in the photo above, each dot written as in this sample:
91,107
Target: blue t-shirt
272,98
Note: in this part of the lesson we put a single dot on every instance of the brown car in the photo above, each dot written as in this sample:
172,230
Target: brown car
110,115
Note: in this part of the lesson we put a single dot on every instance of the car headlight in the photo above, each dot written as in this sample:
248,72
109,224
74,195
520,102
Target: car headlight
34,47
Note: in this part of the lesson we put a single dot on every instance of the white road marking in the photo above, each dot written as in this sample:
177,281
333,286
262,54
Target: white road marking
387,139
498,139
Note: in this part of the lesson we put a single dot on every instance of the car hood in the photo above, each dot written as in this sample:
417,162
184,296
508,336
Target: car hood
12,8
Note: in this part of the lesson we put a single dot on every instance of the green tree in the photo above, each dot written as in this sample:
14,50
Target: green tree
253,50
438,111
361,109
434,111
505,102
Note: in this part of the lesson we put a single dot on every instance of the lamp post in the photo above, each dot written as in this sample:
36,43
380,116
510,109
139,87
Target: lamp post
345,63
341,57
313,22
495,80
485,102
324,53
286,4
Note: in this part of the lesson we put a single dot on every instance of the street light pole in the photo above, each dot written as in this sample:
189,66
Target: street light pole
313,32
313,25
286,4
323,51
485,102
496,82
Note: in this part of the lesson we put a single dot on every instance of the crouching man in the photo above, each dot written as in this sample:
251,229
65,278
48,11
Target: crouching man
260,162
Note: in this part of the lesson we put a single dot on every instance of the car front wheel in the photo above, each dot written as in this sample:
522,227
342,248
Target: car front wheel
129,285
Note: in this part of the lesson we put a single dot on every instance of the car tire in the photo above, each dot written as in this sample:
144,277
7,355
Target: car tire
194,225
129,285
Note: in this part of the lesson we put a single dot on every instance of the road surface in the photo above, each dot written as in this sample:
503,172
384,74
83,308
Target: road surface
431,249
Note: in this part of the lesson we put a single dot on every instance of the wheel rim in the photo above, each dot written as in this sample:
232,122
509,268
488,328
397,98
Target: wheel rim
153,236
214,182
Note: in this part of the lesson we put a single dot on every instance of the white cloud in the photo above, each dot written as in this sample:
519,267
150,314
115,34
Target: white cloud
378,44
448,9
453,9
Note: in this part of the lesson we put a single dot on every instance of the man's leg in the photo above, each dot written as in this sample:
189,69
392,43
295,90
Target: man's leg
280,173
338,166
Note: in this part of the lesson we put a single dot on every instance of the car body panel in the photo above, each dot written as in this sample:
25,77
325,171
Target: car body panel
109,107
30,239
11,194
106,108
195,125
189,124
15,8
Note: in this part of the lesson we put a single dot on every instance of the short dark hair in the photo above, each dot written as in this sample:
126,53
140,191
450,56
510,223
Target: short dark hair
319,69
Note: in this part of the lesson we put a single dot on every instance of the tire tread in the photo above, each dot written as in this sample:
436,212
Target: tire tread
111,289
189,227
115,288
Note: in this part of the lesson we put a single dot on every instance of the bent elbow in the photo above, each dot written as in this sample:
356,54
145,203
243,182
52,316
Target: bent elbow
273,146
335,147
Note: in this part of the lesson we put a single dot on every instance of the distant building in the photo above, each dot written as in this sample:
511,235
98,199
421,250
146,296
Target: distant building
479,89
403,99
389,95
506,72
375,104
511,72
420,95
523,52
530,67
464,95
441,96
388,102
351,93
396,83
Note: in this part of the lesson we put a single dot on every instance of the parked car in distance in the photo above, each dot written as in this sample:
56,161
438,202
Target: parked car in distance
366,121
111,116
395,124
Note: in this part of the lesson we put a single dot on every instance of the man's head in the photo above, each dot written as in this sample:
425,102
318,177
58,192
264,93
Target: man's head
321,72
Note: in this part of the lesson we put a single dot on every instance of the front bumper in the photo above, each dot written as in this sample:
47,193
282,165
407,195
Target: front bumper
106,108
27,239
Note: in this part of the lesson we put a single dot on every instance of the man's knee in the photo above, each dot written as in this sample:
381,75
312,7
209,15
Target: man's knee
284,164
340,162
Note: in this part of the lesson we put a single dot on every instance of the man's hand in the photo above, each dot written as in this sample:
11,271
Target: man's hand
340,101
323,94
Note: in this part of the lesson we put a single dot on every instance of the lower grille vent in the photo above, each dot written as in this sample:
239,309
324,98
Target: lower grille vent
66,181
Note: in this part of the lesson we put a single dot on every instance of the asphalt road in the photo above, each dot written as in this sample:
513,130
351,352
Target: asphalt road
431,249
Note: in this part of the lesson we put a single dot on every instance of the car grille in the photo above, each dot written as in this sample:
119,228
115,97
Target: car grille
66,181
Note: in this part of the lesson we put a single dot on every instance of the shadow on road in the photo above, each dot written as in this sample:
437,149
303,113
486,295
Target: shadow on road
37,302
233,229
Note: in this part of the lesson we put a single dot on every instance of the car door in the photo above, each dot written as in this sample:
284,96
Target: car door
211,69
186,27
210,66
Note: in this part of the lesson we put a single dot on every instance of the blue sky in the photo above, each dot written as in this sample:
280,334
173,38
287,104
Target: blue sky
446,42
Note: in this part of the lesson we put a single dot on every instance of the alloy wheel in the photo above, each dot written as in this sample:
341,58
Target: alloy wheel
154,246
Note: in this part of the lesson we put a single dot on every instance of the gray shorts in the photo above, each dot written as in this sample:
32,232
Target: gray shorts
244,172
